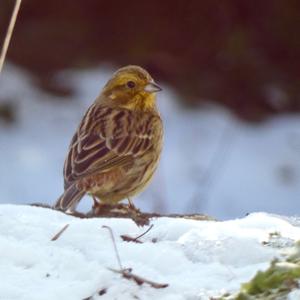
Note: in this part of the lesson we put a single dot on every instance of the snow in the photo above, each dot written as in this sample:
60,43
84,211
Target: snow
211,163
198,259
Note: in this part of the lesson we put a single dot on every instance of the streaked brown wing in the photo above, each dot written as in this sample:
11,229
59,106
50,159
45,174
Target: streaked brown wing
105,139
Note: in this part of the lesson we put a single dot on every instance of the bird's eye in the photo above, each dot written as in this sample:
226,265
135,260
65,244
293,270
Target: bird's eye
131,84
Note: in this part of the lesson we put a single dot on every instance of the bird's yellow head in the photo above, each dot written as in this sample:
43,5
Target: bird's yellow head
131,87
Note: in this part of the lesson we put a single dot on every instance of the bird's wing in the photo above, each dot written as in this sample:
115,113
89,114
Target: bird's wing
108,138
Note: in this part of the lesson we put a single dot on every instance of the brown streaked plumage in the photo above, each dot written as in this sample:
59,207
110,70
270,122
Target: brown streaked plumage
116,148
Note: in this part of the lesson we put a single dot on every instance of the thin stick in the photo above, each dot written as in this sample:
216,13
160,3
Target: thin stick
60,233
9,32
144,232
115,245
128,238
126,273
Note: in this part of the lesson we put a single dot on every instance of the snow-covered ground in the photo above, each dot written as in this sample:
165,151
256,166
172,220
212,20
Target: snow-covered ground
197,259
211,163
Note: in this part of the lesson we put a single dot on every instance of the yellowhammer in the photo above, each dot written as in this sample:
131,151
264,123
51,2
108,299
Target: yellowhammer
117,145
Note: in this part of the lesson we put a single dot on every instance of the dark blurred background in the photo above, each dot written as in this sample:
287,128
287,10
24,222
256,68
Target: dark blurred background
231,77
238,53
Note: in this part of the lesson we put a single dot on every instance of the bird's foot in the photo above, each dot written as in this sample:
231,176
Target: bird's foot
100,208
132,207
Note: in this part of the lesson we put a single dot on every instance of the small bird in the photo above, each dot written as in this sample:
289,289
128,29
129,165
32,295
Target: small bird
116,148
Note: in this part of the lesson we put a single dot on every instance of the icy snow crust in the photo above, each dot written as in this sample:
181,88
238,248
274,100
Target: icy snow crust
198,259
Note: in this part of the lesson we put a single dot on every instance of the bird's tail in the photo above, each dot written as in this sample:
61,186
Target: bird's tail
69,199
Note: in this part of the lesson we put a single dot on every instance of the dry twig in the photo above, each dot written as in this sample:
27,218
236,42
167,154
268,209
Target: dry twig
9,33
128,238
121,211
60,233
114,243
127,273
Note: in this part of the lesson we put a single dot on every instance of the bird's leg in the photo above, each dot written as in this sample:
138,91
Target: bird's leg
97,206
95,201
131,205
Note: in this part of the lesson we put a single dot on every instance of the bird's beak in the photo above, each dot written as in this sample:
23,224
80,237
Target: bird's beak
152,87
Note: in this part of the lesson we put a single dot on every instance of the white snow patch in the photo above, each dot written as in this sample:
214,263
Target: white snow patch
198,259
